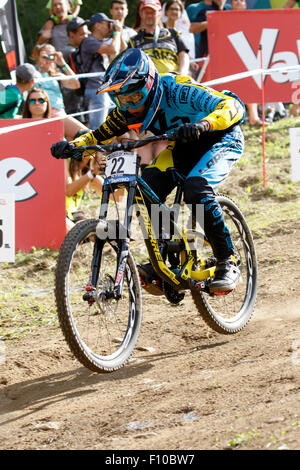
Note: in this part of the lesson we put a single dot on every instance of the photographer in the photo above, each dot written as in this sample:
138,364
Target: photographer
94,53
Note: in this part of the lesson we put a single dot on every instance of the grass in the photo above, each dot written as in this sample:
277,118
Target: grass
27,287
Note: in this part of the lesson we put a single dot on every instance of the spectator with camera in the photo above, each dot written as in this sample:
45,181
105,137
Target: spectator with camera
50,63
96,54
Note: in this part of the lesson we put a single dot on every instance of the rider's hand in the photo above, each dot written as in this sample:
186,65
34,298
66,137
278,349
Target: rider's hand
62,149
191,132
85,139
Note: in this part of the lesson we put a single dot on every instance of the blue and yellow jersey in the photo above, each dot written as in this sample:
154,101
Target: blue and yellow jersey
183,101
186,101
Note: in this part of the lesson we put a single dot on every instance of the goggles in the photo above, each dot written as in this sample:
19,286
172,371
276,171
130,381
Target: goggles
132,100
39,100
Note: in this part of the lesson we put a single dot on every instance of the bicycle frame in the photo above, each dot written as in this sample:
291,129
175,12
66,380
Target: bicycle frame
138,191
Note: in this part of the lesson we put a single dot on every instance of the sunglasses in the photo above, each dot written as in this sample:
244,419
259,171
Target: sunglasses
39,100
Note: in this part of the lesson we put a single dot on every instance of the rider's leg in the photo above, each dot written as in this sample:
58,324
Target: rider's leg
157,177
212,169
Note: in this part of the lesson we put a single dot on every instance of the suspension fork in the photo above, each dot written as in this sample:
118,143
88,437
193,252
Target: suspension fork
124,241
98,245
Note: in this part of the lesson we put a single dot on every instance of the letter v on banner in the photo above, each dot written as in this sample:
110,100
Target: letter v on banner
252,61
238,35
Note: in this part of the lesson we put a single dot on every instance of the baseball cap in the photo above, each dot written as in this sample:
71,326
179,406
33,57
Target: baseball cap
97,18
75,23
154,4
26,72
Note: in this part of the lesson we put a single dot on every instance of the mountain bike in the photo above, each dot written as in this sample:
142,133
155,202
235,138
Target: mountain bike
98,287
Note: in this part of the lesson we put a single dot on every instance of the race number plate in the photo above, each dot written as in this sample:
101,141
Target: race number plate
120,167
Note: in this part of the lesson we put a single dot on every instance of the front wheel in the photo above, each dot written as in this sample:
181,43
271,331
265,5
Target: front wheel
230,313
101,334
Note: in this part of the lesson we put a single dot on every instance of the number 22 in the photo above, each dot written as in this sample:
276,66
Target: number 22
115,161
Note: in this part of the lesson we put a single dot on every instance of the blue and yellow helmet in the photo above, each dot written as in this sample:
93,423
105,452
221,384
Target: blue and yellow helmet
133,73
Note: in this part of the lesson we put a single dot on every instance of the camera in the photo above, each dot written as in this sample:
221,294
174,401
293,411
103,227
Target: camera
49,57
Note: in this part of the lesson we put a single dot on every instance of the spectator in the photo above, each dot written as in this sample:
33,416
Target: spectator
11,96
165,47
37,104
199,24
73,99
48,62
79,178
77,32
174,16
54,30
119,12
74,7
93,49
171,12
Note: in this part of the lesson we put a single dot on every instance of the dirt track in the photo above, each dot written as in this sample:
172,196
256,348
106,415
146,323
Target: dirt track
195,389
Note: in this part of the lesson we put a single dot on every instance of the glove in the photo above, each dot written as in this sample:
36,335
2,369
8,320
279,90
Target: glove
87,138
62,149
191,132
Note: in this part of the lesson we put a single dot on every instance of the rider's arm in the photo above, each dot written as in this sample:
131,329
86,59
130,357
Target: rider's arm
220,109
184,63
114,126
228,112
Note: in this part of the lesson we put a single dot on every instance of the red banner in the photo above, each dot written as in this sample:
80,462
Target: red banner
234,39
28,170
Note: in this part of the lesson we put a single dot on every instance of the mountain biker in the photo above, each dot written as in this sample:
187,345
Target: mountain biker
209,142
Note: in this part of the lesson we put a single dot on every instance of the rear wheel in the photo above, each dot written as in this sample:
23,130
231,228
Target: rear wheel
230,313
101,334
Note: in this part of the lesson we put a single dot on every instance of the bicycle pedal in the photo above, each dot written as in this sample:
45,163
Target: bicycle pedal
152,288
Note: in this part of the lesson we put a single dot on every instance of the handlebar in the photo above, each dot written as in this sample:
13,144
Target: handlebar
128,145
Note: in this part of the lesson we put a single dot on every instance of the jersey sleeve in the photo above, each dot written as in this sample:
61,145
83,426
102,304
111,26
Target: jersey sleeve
191,98
114,126
228,112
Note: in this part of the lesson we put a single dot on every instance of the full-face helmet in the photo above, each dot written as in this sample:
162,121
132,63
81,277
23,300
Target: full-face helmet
133,73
